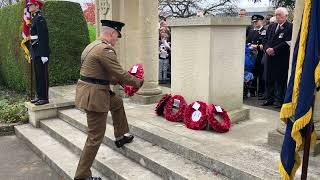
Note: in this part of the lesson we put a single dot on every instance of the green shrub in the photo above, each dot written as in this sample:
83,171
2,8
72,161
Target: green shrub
13,67
12,108
12,113
68,35
92,32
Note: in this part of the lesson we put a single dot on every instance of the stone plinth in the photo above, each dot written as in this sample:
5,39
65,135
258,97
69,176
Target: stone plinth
208,59
275,140
37,113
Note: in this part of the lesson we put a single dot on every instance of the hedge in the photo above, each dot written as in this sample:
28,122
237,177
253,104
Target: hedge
68,35
92,32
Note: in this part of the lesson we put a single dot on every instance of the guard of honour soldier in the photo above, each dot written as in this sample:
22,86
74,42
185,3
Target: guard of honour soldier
99,69
39,51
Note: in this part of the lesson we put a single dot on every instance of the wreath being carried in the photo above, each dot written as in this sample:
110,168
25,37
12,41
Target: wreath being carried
137,71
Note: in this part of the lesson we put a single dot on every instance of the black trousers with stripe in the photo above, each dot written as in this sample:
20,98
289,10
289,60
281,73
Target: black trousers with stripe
42,80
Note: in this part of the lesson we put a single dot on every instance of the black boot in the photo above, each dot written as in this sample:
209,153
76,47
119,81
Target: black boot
262,98
267,103
41,102
94,178
277,105
89,178
124,140
34,100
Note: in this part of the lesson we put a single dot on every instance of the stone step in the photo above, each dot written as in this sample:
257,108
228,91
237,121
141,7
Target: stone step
233,154
182,146
107,161
227,154
56,155
158,160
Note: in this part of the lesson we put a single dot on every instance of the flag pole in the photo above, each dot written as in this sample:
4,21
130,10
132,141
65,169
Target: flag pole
306,150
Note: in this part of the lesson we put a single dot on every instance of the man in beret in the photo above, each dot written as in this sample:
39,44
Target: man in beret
39,51
255,42
99,69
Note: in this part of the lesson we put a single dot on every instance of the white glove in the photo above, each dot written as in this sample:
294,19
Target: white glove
44,59
167,45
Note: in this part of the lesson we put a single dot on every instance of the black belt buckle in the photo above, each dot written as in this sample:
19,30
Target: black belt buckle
96,81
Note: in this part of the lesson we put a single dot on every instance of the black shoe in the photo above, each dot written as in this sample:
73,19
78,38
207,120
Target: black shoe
124,140
277,105
94,178
262,98
267,103
41,102
89,178
253,95
34,100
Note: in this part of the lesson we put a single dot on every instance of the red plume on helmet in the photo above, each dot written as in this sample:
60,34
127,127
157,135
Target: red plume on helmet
39,3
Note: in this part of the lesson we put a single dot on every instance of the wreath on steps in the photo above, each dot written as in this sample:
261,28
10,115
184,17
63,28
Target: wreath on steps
195,115
174,109
161,104
212,112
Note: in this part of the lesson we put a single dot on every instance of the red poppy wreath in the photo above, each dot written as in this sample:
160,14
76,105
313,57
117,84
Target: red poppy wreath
160,106
137,71
174,109
212,112
195,116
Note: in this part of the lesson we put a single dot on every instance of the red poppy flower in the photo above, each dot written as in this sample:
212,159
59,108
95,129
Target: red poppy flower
176,104
212,112
195,116
137,71
160,106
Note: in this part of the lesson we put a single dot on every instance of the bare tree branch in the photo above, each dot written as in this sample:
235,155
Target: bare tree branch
188,8
4,3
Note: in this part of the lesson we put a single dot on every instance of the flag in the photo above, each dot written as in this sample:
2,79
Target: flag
296,111
25,44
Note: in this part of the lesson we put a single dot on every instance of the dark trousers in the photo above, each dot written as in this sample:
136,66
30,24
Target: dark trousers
42,81
260,83
276,90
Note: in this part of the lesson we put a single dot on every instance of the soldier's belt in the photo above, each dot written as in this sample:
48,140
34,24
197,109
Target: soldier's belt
94,80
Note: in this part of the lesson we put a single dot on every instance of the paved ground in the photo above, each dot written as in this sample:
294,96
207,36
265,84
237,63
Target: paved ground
253,101
19,162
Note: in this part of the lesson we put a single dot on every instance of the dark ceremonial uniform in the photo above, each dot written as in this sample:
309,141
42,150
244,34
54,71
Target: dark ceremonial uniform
39,53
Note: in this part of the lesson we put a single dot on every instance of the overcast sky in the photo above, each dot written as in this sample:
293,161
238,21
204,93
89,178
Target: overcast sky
241,3
247,3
